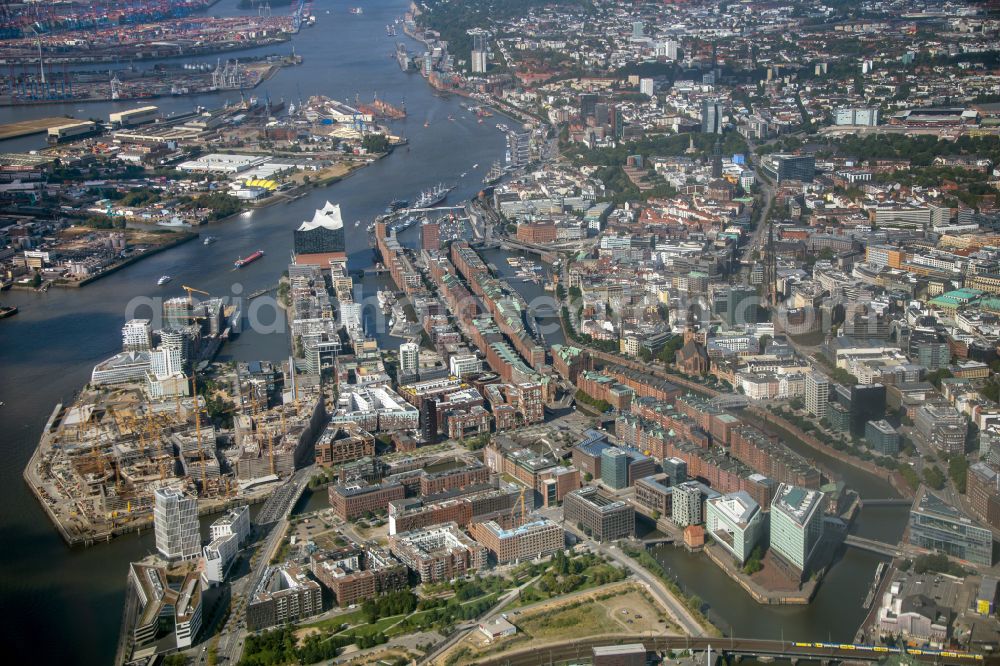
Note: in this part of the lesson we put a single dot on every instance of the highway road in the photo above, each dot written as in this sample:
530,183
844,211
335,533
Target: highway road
269,525
677,610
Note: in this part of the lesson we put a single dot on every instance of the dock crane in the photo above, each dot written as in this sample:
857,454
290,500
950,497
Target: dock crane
189,291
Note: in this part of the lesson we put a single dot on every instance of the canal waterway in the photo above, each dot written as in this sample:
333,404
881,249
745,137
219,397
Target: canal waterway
47,351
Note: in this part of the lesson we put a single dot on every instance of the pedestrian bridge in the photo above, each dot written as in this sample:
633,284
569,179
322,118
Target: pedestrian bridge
886,502
880,547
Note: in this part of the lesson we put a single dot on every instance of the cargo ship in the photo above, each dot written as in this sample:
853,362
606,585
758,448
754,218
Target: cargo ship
433,196
243,261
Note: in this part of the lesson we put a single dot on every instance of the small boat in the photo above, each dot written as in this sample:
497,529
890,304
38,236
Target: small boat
209,240
357,10
5,312
247,213
357,223
427,124
163,280
476,165
396,204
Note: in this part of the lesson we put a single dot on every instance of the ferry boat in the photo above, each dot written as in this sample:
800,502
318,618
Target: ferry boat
173,222
243,261
163,280
209,240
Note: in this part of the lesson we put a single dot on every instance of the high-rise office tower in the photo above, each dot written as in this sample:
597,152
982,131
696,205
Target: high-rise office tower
409,358
817,394
176,312
479,52
711,116
175,523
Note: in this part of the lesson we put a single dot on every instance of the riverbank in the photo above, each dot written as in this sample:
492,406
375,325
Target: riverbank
71,530
152,86
124,53
768,597
185,237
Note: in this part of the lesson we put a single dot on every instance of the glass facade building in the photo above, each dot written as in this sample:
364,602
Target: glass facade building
936,525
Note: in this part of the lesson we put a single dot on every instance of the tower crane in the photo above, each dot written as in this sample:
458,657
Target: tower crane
513,510
197,428
189,291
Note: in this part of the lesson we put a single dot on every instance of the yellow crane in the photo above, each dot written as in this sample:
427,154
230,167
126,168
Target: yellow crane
191,290
513,510
197,428
270,447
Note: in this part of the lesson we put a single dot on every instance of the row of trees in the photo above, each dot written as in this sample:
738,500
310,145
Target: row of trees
280,646
387,605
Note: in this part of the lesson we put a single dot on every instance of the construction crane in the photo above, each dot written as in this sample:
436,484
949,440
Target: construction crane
513,510
270,448
197,428
189,291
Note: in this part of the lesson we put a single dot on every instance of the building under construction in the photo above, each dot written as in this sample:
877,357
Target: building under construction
100,460
276,424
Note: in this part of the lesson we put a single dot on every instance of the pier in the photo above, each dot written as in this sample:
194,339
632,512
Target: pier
29,127
261,292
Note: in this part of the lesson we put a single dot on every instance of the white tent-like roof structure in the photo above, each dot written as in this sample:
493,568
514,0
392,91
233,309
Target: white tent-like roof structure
328,216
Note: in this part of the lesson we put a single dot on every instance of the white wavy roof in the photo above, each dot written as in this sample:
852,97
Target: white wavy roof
328,216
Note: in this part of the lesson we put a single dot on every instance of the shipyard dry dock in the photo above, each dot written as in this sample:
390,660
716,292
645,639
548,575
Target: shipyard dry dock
35,126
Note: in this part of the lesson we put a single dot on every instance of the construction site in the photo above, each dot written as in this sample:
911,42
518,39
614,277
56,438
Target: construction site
101,458
40,84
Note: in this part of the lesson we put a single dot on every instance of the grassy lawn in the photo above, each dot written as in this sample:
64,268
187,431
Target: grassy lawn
352,618
576,622
550,585
379,625
626,609
413,622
